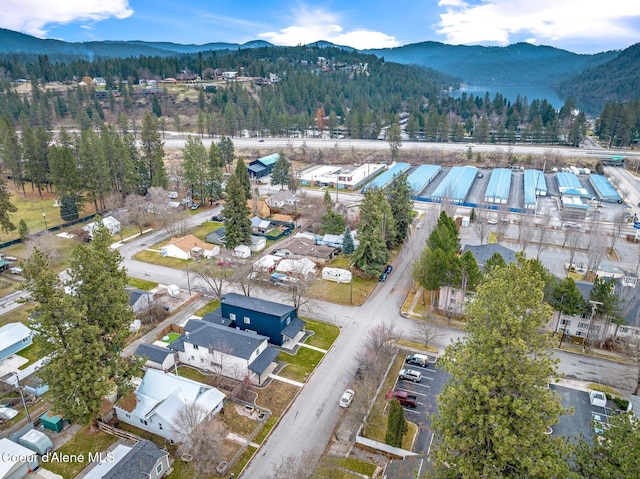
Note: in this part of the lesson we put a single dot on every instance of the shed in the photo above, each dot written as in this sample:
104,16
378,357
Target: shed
258,243
37,441
52,423
242,251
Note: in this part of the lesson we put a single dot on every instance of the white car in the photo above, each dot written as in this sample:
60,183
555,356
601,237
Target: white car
15,270
347,397
492,221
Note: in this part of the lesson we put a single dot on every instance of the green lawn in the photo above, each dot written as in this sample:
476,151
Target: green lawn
84,442
172,337
32,353
324,334
208,308
300,364
155,258
18,315
141,283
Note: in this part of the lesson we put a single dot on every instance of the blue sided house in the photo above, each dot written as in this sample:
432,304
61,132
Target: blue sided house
13,338
278,322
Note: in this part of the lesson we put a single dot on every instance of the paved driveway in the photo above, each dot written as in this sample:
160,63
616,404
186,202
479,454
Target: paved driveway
433,380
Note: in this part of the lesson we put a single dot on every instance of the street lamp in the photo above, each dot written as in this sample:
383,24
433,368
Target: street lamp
44,217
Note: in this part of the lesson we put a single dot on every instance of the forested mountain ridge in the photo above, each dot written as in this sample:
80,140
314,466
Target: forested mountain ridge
616,80
517,64
12,42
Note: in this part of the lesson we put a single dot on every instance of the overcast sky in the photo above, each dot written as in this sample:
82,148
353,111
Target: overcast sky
581,26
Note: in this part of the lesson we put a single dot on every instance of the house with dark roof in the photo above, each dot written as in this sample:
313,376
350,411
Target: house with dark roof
139,299
157,357
142,460
299,248
263,166
227,351
278,322
452,301
483,252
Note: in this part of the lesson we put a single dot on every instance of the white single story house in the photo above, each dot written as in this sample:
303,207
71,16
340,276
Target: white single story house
112,225
224,350
14,337
158,400
188,247
297,267
266,263
281,199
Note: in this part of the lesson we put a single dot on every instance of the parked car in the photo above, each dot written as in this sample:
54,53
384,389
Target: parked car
15,270
404,398
417,359
492,221
360,371
223,262
480,175
220,218
347,397
410,375
383,277
388,269
195,206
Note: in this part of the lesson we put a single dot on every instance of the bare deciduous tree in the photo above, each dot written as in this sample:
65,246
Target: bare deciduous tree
525,230
481,227
214,273
137,210
572,241
201,436
427,330
595,245
503,224
617,226
544,232
247,278
291,467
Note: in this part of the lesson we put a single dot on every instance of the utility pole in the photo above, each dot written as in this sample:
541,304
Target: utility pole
24,403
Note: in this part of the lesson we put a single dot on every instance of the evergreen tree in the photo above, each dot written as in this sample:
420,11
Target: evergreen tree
399,197
242,174
227,151
152,153
63,164
495,409
396,424
445,236
85,330
615,453
280,172
372,256
195,167
11,152
6,207
155,107
215,177
470,274
394,137
237,224
348,246
23,230
567,299
68,208
496,261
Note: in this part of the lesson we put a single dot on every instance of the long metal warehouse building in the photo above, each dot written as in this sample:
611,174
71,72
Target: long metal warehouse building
535,185
604,190
569,184
385,178
498,187
456,185
422,176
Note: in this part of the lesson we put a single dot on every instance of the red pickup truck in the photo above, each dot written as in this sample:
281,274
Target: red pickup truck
403,397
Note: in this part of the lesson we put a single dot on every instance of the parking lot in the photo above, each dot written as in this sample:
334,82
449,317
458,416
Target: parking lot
426,391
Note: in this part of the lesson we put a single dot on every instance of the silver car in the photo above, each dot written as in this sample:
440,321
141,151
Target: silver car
410,375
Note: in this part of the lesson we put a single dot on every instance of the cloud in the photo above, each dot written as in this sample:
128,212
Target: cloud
547,21
33,16
312,25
